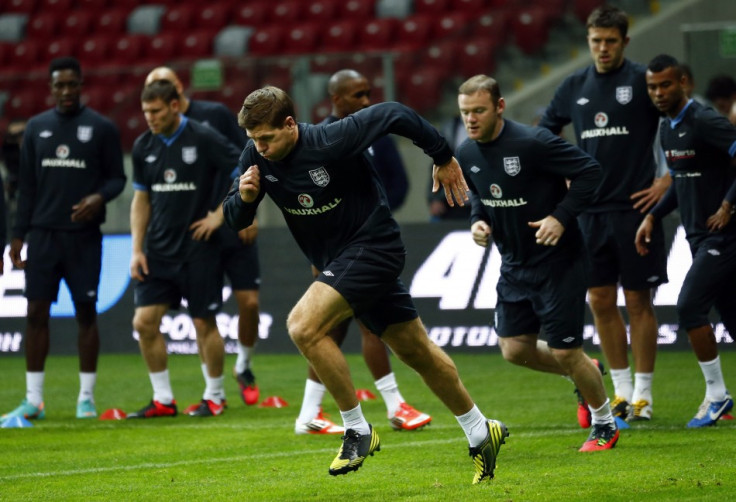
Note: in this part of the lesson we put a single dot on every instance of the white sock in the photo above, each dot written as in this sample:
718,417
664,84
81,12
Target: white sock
313,394
161,387
622,384
474,426
205,373
715,387
389,390
603,414
34,387
643,387
87,383
245,354
354,419
214,389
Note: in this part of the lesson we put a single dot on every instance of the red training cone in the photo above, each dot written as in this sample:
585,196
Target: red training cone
364,395
273,402
113,414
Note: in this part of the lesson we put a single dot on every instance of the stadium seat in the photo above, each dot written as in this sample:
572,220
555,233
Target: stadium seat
491,24
24,56
145,19
213,16
131,124
24,103
112,21
321,110
92,5
266,41
93,50
421,89
97,97
59,7
286,12
469,7
583,8
234,92
20,6
59,47
13,26
414,32
450,25
43,26
161,48
197,44
530,28
251,14
555,9
477,55
396,9
321,10
178,18
507,4
78,23
377,34
432,7
339,36
301,38
442,55
232,41
127,49
358,9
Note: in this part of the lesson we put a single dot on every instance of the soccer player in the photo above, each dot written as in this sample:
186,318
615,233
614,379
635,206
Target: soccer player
350,92
335,207
175,166
71,165
517,176
699,145
239,250
616,124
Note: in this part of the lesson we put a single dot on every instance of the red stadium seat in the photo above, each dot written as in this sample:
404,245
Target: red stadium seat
60,47
92,5
361,10
161,48
301,38
131,124
178,18
583,8
213,16
414,32
112,21
78,23
339,36
442,55
476,56
266,41
94,50
24,103
43,27
321,10
127,49
432,7
97,98
491,24
507,4
286,12
377,34
252,14
321,110
197,44
530,28
450,25
421,89
470,7
20,6
25,56
234,92
60,7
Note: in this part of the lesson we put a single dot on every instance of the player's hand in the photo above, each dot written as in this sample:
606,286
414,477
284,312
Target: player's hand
248,234
203,229
138,265
549,230
647,198
481,232
718,221
450,176
16,245
249,185
87,208
644,235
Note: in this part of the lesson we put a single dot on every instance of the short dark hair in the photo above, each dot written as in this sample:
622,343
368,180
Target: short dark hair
720,87
687,71
662,62
608,16
481,83
266,106
65,63
164,90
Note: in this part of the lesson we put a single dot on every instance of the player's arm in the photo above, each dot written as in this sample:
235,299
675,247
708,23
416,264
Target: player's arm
665,206
721,134
645,199
241,202
140,215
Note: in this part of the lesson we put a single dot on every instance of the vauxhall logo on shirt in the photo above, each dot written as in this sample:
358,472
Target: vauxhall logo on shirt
497,201
62,159
170,184
600,119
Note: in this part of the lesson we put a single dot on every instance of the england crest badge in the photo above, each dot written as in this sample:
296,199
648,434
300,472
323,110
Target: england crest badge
320,176
511,165
189,154
84,133
624,94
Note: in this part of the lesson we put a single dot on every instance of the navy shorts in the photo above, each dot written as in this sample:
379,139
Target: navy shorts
551,296
240,261
709,283
368,279
199,281
53,255
609,241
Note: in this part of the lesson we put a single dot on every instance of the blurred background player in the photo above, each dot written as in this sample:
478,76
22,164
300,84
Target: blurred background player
175,166
239,251
349,92
721,92
699,145
616,123
71,165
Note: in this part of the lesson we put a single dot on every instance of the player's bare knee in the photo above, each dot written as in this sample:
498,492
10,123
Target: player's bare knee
144,324
512,351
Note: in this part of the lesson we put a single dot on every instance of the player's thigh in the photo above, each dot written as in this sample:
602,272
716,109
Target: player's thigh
639,272
43,266
561,304
202,287
82,264
601,249
319,310
708,283
241,266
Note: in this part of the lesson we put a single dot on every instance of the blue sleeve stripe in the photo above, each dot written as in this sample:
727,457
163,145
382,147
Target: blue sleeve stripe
732,149
235,173
138,186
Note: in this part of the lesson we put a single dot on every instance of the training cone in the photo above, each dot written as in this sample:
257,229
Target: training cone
14,422
113,414
364,395
726,416
621,423
273,402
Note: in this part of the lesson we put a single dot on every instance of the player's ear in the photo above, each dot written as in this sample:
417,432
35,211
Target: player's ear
289,122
